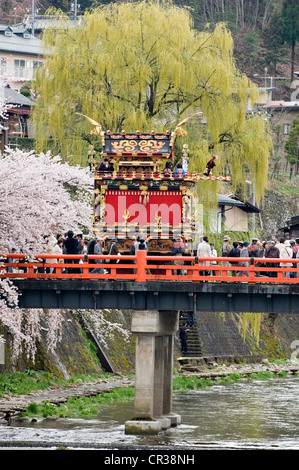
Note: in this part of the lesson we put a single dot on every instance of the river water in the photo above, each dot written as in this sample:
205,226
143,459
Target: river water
251,414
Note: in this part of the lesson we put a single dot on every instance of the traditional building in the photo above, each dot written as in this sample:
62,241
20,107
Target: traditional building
291,229
20,55
234,214
19,108
283,114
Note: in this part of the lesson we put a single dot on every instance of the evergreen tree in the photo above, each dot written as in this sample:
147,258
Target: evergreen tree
290,15
273,41
292,145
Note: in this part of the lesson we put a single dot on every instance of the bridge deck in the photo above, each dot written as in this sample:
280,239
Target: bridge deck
97,294
143,267
150,283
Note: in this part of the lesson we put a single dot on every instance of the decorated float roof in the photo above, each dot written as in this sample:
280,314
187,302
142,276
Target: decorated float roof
137,143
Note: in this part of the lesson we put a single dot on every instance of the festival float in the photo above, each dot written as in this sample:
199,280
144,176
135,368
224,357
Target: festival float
138,193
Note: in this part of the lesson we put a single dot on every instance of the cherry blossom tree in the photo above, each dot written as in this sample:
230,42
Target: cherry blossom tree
3,105
39,196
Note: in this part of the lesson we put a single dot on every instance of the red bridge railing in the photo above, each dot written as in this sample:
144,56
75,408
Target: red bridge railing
144,267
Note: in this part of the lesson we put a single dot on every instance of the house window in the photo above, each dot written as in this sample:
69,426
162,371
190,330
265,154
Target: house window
37,63
20,68
286,129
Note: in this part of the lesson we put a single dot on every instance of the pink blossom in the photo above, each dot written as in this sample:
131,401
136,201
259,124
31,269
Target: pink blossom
39,195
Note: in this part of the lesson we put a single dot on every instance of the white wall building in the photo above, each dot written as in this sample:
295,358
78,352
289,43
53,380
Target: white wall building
20,55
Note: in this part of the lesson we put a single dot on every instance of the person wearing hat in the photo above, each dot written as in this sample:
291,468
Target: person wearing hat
226,246
226,249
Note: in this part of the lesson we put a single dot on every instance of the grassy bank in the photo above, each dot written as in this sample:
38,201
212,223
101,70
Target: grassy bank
85,407
195,383
25,382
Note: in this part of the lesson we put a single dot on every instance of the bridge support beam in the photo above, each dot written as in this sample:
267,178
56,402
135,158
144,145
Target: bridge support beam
154,332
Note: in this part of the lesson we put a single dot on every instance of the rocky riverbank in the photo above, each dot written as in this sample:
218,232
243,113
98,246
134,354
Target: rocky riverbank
213,370
11,406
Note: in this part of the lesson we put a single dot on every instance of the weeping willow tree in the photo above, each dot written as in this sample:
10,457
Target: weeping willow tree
250,323
143,66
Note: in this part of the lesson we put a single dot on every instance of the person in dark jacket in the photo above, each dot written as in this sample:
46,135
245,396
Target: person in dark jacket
183,337
210,165
178,249
71,247
234,253
71,244
253,248
104,166
272,251
167,172
112,249
142,244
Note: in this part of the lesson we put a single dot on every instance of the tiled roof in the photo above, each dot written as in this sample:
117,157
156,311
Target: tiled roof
225,200
20,45
13,97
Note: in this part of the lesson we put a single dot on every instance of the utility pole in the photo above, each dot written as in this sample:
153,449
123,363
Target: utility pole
74,8
33,15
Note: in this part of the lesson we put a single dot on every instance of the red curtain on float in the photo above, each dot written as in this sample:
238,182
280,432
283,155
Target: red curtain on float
139,208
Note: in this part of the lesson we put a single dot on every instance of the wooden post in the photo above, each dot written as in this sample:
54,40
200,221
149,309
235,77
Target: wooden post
141,266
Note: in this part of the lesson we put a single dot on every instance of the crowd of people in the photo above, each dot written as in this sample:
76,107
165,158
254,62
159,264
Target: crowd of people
72,244
276,248
287,250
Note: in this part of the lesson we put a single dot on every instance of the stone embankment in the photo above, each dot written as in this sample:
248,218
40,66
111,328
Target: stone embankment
12,405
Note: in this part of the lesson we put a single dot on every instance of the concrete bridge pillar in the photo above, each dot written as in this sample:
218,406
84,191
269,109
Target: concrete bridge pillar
154,332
